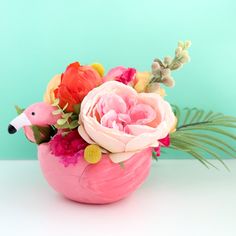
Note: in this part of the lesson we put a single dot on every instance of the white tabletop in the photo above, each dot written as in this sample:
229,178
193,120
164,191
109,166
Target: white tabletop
180,198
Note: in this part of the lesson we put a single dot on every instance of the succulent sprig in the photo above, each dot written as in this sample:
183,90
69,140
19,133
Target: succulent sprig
161,69
190,138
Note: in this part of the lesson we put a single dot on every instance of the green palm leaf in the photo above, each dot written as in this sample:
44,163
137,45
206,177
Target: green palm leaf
201,134
180,146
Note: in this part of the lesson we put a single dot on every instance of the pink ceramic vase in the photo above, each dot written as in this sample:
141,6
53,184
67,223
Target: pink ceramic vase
101,183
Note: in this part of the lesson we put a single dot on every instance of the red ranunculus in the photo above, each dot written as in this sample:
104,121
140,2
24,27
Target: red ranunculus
75,84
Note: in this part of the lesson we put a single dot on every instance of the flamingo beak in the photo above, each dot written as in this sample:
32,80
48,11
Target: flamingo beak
11,129
18,122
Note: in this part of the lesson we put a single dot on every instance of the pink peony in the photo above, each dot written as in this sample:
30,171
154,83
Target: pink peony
123,121
121,74
68,147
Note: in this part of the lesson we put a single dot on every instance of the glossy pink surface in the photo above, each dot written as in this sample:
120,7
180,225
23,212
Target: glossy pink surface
102,183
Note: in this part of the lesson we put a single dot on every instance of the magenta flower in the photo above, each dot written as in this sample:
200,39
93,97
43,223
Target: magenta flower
165,142
69,147
121,74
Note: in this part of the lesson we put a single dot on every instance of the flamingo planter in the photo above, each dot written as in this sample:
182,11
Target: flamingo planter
105,182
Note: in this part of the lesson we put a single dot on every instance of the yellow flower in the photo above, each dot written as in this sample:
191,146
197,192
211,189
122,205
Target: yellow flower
162,92
92,154
173,129
99,68
141,81
49,96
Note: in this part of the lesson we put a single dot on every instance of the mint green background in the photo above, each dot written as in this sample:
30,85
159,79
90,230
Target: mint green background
39,38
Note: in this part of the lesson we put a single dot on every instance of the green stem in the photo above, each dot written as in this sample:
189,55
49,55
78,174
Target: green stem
196,123
63,114
155,79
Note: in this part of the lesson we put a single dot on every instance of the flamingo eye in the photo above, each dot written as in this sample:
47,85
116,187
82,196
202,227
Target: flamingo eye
33,113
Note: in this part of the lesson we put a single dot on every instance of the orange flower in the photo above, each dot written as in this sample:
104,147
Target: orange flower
49,96
75,84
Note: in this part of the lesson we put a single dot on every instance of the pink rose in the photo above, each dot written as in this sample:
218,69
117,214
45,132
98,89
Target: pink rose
121,74
123,121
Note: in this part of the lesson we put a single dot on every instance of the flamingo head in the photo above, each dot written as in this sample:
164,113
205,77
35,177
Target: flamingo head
39,114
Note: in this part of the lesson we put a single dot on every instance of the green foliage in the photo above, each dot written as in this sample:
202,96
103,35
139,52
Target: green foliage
77,109
68,120
154,156
201,133
19,110
56,102
122,165
42,134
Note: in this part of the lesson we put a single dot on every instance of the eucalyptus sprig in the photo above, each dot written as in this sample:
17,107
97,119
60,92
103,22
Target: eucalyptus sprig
68,120
161,69
202,134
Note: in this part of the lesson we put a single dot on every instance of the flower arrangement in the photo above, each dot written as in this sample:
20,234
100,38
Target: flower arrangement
96,132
